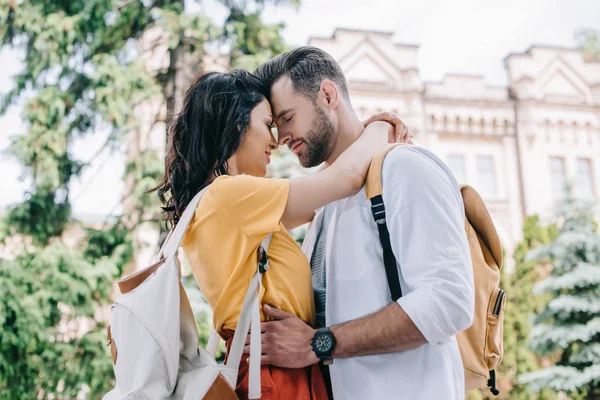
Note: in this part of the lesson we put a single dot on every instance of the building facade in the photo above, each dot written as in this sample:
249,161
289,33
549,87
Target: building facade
518,145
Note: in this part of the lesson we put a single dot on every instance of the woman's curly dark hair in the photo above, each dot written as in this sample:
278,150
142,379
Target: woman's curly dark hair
206,133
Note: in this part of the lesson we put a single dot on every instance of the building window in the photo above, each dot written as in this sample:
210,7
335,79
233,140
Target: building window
584,182
558,176
486,176
456,163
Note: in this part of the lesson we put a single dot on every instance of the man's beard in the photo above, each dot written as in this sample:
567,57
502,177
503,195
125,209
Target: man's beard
319,140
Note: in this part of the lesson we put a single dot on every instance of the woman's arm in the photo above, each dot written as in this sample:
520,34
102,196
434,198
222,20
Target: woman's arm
343,178
305,219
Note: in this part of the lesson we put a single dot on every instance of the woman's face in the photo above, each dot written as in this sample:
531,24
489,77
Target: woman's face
254,153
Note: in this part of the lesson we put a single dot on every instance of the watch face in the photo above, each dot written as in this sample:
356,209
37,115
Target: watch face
323,343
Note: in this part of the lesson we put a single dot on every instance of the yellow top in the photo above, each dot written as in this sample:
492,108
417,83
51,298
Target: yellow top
221,243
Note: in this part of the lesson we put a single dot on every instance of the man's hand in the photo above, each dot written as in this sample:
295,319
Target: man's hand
286,341
400,133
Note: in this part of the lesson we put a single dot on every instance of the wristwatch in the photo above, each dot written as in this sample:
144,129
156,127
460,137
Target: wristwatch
323,344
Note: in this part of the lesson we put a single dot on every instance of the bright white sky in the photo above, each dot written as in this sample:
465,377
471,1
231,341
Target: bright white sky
461,36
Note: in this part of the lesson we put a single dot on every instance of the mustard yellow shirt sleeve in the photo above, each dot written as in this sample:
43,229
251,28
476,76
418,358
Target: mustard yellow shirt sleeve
256,204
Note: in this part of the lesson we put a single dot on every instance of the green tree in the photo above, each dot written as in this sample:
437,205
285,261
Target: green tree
518,359
568,326
84,72
589,39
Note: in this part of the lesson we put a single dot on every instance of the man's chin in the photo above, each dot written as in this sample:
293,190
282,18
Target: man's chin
309,160
307,163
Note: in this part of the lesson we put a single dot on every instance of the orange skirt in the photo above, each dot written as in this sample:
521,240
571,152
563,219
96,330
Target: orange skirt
281,383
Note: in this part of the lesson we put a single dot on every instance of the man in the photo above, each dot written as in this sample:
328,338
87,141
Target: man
379,349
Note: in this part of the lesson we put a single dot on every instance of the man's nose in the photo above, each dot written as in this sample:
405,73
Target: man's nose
284,139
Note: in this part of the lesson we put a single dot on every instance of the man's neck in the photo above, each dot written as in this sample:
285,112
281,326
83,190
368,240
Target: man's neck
349,129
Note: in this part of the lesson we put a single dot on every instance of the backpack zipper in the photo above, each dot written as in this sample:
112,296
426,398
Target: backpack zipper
498,302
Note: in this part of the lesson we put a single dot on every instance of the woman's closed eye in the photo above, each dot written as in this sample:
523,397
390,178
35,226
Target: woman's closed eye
273,129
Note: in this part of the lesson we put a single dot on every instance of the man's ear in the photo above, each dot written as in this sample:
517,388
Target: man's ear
330,94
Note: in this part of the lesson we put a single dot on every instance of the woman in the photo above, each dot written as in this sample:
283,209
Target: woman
223,138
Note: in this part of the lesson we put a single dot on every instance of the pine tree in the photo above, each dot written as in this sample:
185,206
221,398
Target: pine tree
568,326
83,73
518,359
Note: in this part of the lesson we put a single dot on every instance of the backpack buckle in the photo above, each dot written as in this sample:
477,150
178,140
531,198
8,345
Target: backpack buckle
263,260
378,209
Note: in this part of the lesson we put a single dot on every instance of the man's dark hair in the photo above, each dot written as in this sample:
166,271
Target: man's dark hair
306,67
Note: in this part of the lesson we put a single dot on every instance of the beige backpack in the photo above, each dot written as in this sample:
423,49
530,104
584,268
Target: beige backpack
481,345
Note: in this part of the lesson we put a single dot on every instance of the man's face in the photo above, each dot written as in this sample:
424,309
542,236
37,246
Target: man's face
301,124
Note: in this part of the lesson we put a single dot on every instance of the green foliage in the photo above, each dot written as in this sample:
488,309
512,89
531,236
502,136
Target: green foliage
112,245
40,216
568,326
518,359
48,296
589,39
146,169
252,41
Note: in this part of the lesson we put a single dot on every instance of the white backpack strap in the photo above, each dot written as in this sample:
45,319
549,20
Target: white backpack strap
159,255
174,239
254,391
251,313
213,342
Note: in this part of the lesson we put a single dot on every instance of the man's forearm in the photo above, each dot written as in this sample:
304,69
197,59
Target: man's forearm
386,331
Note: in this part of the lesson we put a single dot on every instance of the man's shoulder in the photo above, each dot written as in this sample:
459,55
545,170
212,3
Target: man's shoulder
409,154
406,166
409,159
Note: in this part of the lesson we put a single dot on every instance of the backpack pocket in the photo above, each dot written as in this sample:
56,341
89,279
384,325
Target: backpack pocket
494,343
140,366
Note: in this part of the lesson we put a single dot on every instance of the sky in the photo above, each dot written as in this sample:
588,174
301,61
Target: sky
455,36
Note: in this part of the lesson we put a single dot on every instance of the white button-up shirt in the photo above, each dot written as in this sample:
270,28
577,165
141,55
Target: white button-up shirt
425,218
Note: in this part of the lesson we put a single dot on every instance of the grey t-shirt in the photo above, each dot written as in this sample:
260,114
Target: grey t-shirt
318,267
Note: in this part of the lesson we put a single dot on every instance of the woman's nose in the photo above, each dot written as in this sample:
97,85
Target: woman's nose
273,144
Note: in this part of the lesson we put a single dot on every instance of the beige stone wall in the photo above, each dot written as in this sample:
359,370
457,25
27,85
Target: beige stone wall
551,108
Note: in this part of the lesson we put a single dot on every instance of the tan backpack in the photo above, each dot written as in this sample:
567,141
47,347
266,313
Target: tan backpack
481,345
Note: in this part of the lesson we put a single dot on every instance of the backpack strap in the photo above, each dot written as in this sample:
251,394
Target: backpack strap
477,214
171,244
250,314
374,191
